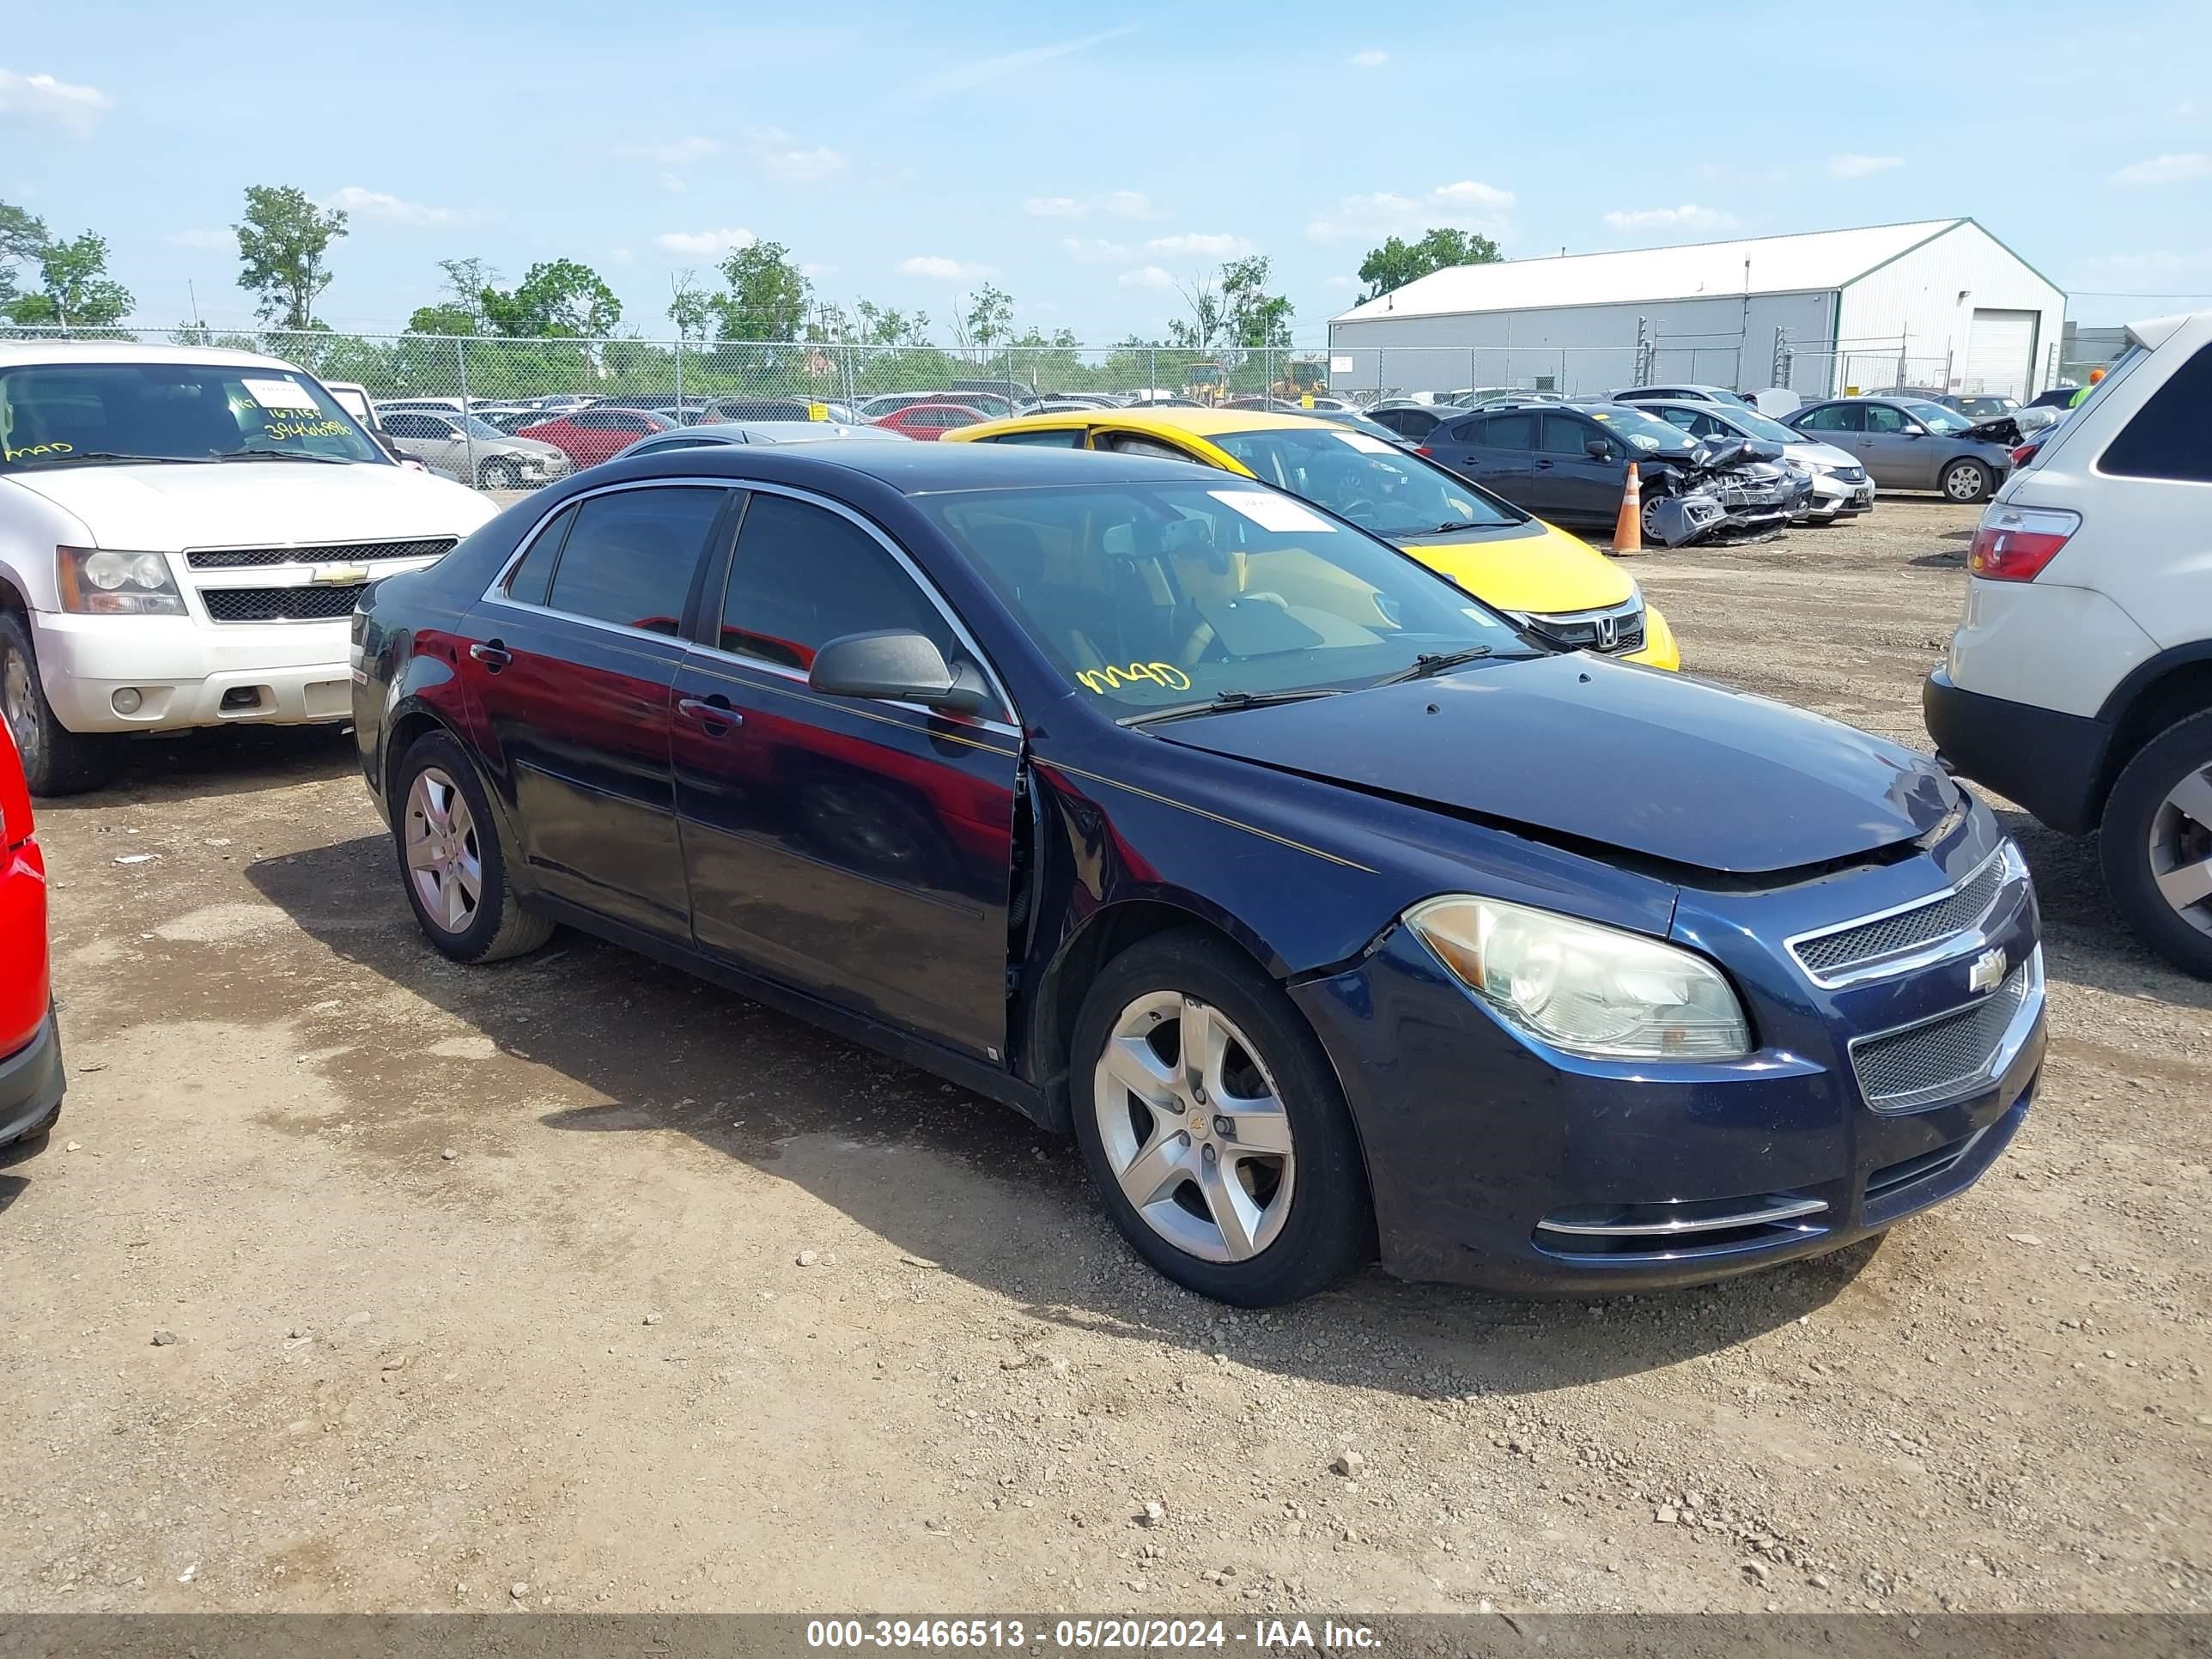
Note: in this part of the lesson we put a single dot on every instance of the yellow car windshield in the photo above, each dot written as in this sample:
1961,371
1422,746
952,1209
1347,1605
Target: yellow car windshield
1378,486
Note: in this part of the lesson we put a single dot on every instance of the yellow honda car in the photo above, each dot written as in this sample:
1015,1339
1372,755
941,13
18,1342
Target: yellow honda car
1557,584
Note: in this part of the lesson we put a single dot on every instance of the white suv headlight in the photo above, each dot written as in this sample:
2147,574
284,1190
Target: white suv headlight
1590,990
105,581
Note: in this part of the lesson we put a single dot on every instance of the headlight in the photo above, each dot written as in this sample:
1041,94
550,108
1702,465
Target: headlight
1589,990
106,582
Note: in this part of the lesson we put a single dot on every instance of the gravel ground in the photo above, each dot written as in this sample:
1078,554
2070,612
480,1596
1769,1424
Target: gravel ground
352,1279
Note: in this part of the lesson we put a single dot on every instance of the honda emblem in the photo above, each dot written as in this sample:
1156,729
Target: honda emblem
1988,971
1608,633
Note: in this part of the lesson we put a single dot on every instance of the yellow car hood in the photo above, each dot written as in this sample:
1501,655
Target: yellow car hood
1535,568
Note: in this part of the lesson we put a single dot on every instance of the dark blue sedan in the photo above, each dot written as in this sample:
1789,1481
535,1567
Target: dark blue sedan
1330,912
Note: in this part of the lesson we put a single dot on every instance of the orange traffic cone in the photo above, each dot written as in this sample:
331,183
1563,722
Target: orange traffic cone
1628,528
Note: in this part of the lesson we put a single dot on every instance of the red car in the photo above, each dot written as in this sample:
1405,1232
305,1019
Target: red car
588,436
31,1081
930,421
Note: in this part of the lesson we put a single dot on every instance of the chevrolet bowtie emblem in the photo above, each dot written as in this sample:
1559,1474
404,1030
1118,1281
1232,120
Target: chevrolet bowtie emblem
1988,971
338,575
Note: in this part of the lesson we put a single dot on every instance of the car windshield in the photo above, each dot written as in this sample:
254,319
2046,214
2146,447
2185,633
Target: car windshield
1937,418
1378,485
1986,409
1646,432
55,415
480,427
1151,595
1753,424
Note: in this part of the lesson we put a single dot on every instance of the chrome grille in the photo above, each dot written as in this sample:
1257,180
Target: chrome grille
240,558
1943,1057
1584,630
257,604
1827,955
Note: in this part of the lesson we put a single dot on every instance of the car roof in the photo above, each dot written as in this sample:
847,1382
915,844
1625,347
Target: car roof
914,469
20,353
778,431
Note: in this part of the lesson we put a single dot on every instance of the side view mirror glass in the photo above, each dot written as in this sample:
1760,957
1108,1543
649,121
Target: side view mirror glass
896,664
1598,450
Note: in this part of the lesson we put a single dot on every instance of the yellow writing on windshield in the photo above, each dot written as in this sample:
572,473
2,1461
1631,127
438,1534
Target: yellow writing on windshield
1100,681
35,451
318,428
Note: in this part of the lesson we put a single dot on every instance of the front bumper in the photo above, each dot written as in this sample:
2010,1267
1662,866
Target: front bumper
2052,763
1485,1153
31,1083
189,674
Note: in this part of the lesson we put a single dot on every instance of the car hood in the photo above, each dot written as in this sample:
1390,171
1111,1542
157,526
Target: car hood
1804,449
1577,748
1534,568
535,448
167,509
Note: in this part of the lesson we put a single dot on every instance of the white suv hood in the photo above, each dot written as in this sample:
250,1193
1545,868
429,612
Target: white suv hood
168,510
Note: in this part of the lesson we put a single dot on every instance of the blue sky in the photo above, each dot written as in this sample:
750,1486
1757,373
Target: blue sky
1086,160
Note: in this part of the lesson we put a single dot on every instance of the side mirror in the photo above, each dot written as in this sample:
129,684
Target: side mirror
1912,430
896,664
1598,450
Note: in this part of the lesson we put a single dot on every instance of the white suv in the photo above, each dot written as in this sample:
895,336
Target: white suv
183,534
2080,684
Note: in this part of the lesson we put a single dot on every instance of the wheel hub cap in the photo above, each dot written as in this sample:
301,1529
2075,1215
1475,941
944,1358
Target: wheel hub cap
2181,849
1194,1128
445,865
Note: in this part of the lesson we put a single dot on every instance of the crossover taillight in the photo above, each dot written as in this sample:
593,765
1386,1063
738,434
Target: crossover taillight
2012,543
1423,449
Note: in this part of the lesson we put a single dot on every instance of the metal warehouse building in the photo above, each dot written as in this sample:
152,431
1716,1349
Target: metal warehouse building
1941,303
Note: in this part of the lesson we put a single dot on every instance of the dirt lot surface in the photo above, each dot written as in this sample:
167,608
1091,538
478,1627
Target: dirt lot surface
484,1288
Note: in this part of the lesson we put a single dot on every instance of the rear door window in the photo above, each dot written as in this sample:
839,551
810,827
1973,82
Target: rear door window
2170,435
1066,437
1506,432
631,554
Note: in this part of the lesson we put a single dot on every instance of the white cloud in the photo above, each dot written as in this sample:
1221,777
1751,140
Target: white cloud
1114,203
2179,169
1688,217
1342,281
1858,166
1369,58
967,76
379,204
1096,251
676,152
222,240
783,156
1218,246
950,270
620,256
1150,276
1466,205
705,243
673,185
43,100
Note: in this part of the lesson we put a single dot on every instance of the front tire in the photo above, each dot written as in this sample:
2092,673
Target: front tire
501,473
1967,480
56,760
453,862
2156,842
1212,1125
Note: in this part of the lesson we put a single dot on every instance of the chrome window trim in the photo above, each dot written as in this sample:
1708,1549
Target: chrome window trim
1972,936
2000,1058
497,594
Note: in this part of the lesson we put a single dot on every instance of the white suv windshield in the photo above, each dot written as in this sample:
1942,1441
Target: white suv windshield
57,415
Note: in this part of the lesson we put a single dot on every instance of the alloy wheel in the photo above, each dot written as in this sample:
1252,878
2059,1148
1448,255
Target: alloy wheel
1193,1127
2181,849
1963,483
19,705
444,861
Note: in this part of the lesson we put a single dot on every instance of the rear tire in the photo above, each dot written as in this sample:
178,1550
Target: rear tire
2153,842
1289,1139
56,760
1967,480
452,861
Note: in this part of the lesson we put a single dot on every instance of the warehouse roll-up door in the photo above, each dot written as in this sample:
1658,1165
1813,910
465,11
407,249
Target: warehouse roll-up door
1999,353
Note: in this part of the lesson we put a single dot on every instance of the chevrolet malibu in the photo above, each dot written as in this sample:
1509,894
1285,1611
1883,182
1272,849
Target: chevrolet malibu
1332,913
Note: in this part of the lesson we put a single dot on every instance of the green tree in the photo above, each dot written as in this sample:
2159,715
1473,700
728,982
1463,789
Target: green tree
989,319
1399,262
690,308
22,239
1255,316
884,325
75,290
767,297
447,317
558,299
283,242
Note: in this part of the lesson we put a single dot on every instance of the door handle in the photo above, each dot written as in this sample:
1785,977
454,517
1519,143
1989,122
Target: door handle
712,712
493,655
1543,466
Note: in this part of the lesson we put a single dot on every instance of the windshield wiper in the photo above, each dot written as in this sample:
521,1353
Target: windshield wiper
1225,702
112,455
281,455
1435,662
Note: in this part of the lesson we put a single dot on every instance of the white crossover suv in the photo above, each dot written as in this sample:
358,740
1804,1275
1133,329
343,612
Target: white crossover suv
183,534
2080,683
